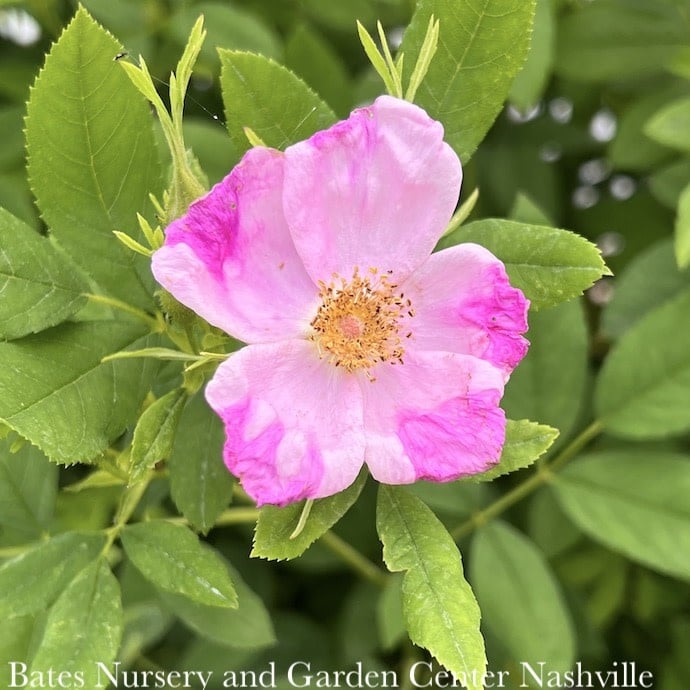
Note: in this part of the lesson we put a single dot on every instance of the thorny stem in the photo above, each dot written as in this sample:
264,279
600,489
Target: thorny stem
543,474
354,559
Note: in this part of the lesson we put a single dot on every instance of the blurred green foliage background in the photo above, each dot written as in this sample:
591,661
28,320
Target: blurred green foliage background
593,139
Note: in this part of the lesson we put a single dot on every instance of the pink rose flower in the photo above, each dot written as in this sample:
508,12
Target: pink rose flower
362,345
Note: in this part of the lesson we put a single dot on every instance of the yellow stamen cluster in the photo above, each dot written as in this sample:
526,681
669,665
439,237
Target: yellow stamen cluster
360,322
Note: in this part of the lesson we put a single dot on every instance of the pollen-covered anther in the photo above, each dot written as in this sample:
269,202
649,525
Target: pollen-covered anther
359,323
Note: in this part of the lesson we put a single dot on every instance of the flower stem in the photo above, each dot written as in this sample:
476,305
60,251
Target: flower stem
231,516
576,445
237,516
361,565
542,475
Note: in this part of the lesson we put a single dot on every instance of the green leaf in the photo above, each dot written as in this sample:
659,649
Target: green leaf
211,145
632,149
246,627
55,392
390,79
549,265
28,487
520,598
15,641
619,39
389,614
667,183
357,636
680,63
682,230
39,287
607,578
524,210
341,16
275,525
482,46
228,26
533,78
265,96
145,624
155,433
130,20
439,607
525,442
92,156
16,75
651,279
172,558
550,383
458,499
15,197
671,125
83,627
635,502
31,582
549,527
12,153
643,390
425,56
200,484
314,60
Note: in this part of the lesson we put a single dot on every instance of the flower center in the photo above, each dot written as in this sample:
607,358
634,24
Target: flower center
359,323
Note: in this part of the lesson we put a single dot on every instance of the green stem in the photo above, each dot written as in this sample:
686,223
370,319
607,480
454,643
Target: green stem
231,516
237,516
129,502
239,494
481,517
542,475
361,565
576,445
347,553
152,321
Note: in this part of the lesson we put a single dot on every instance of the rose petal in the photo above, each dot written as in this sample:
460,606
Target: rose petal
374,191
434,417
231,259
293,422
464,303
